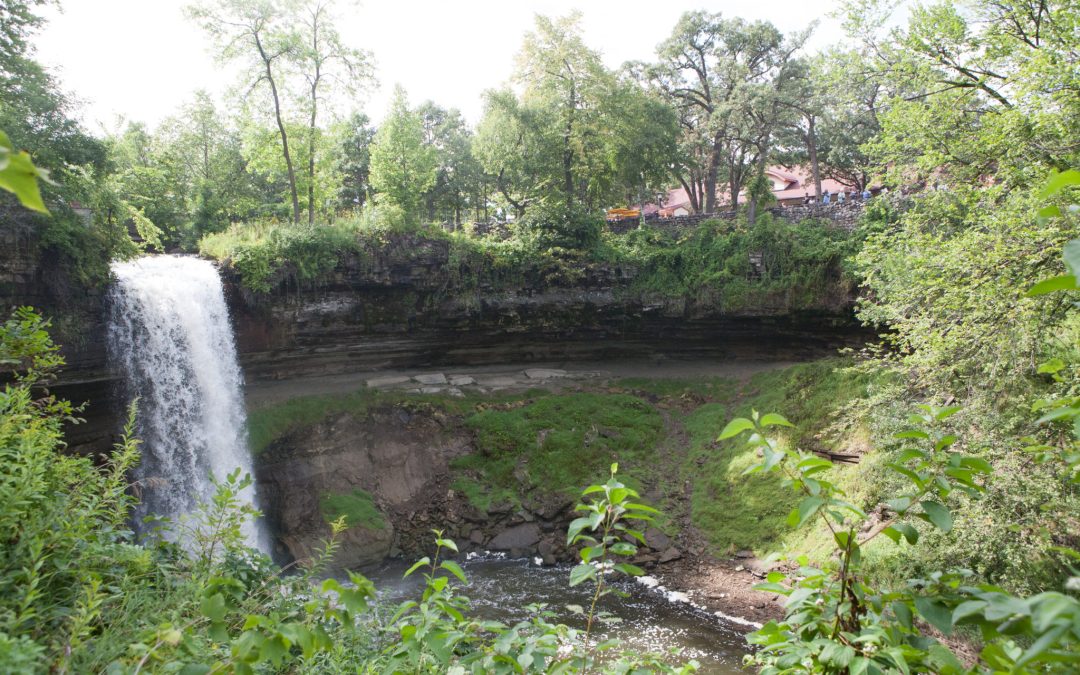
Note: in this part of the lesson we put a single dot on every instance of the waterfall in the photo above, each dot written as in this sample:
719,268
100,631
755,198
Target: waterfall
169,332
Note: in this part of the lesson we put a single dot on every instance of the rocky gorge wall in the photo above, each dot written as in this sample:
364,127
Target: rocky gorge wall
409,306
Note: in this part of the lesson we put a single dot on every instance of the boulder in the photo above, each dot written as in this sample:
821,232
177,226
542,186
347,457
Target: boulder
388,381
657,540
670,554
547,553
461,380
522,537
430,378
544,373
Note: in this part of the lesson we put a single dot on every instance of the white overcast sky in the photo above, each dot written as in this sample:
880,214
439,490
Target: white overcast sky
141,59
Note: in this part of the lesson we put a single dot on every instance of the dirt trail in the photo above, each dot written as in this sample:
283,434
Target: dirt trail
263,393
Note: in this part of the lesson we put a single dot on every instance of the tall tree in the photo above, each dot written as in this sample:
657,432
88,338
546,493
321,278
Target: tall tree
353,160
324,59
707,68
402,164
252,31
769,106
456,168
567,78
513,147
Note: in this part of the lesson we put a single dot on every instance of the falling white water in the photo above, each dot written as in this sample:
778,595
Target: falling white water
169,331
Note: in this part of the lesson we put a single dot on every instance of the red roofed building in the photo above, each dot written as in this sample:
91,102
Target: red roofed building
790,186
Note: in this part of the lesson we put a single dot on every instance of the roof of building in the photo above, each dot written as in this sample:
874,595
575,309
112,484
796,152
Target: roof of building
797,180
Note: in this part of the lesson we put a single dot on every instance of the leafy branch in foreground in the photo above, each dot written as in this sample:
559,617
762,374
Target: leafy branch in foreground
836,621
19,175
608,535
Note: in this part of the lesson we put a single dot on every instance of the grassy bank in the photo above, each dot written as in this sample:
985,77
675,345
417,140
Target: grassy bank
662,432
795,266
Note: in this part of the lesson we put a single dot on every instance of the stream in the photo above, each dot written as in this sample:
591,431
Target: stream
502,589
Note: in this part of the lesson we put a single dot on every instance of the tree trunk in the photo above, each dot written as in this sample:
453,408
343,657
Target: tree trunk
281,129
691,193
733,186
311,152
568,152
811,149
711,174
759,174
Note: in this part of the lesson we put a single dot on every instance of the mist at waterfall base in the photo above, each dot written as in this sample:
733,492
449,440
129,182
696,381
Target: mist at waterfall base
170,336
648,620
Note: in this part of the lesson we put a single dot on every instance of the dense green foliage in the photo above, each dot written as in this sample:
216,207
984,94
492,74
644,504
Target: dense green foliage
961,110
773,263
79,594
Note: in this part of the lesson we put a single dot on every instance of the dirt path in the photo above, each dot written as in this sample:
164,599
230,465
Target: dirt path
506,377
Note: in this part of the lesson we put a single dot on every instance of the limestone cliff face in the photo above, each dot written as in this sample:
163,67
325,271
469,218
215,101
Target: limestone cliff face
409,305
397,456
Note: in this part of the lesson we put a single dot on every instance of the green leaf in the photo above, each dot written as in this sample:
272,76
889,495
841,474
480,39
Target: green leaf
942,414
455,569
576,526
938,515
20,176
936,613
735,427
909,532
915,478
1058,182
900,504
1051,366
1071,254
945,661
837,655
913,433
977,464
966,609
1057,414
806,509
581,573
859,665
213,607
447,543
623,548
1064,282
641,507
630,570
773,420
902,613
417,565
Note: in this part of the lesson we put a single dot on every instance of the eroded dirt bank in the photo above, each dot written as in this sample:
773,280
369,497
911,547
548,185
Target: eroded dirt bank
395,453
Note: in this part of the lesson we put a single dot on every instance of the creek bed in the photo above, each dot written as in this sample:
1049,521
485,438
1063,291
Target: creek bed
502,589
